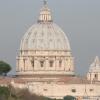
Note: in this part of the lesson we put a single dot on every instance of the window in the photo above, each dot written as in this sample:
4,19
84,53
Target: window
48,82
33,40
45,89
41,63
73,90
32,62
91,90
60,63
51,63
24,60
96,76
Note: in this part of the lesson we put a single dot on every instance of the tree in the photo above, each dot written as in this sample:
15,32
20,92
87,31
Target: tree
4,68
69,98
4,93
24,94
11,93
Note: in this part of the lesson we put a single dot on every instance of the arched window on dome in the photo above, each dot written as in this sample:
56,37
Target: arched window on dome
51,63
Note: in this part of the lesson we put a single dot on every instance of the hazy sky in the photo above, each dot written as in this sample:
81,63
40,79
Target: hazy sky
80,20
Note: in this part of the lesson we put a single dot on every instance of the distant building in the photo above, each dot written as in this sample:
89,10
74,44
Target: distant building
45,64
94,71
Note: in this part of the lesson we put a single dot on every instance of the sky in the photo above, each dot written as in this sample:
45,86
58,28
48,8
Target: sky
79,19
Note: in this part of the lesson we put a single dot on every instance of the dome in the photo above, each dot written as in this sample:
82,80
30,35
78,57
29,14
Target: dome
45,34
45,49
95,66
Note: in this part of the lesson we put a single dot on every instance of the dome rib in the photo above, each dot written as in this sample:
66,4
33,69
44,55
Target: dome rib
45,35
53,38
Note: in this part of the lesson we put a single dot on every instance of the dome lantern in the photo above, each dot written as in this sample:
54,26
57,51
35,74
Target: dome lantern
45,14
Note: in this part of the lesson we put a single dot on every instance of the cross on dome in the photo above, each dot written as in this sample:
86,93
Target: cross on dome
45,2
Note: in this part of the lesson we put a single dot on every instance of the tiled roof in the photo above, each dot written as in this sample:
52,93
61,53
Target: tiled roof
75,80
63,79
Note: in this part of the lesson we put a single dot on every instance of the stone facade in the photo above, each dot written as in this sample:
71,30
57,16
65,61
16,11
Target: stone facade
45,64
45,48
59,87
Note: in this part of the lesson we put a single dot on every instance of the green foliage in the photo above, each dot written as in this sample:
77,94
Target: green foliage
69,98
10,93
4,93
4,68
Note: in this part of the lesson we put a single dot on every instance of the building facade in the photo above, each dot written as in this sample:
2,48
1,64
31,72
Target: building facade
45,48
45,64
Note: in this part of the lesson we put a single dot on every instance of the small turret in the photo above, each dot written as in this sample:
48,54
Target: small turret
94,70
